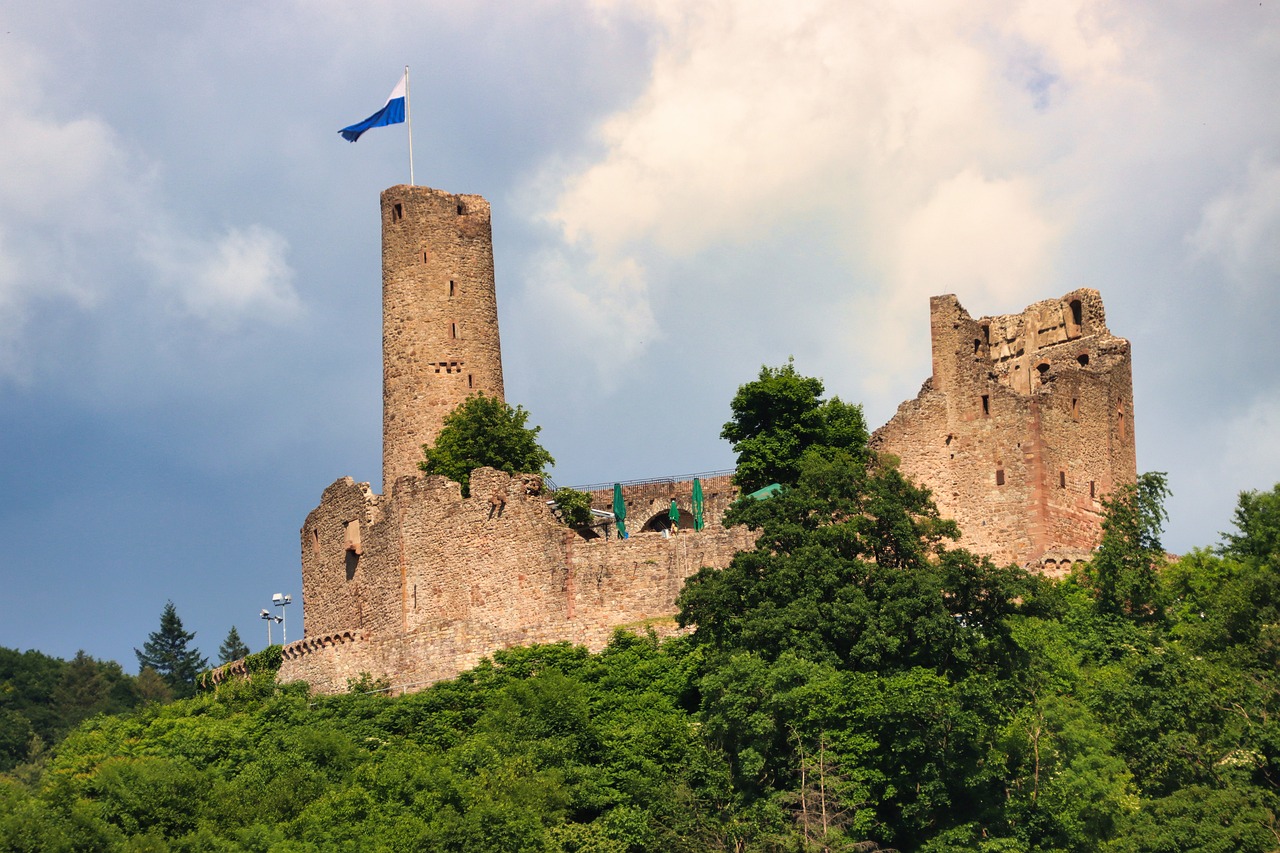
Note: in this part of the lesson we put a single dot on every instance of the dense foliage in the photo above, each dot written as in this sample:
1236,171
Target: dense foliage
485,432
43,697
854,682
780,416
573,507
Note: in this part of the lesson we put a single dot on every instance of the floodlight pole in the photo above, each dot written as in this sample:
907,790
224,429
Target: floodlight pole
282,601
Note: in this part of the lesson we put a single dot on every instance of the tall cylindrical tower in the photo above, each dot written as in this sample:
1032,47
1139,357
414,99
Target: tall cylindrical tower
439,317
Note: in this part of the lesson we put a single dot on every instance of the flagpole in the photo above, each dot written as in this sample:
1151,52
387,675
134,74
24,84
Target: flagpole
408,120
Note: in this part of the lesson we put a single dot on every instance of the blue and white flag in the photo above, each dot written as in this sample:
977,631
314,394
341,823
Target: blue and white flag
391,113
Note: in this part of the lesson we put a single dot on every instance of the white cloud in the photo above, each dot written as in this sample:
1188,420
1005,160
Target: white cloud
607,301
1240,228
1250,454
242,274
78,209
909,135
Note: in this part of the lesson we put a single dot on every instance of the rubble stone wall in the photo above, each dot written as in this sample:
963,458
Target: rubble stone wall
440,339
422,585
1024,426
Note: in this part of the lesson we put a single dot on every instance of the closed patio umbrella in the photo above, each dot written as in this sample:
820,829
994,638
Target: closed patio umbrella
620,510
698,522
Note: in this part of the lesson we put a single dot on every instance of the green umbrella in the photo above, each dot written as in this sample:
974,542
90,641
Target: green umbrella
674,515
767,492
698,523
620,510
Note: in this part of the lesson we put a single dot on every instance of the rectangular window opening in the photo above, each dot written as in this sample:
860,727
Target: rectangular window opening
1093,489
453,331
999,476
470,381
451,288
397,212
424,257
986,405
1062,479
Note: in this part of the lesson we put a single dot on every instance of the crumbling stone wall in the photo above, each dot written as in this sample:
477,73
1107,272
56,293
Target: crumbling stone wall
439,317
441,581
1024,426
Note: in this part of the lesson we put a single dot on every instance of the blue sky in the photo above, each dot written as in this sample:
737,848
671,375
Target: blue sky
682,191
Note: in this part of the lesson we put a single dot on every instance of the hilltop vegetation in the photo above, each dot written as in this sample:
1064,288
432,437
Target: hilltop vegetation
853,682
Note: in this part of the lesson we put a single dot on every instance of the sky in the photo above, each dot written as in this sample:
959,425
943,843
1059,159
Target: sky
681,191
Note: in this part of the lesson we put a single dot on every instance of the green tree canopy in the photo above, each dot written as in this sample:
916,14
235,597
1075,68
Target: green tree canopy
1124,568
166,651
779,417
485,432
232,648
1257,520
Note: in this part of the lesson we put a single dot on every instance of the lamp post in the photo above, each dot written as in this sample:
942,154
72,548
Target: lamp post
282,601
267,616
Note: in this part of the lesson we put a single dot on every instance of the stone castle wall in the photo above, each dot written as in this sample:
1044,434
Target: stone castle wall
421,585
1025,425
439,317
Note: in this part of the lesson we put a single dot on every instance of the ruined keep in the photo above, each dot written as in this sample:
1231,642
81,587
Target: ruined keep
1025,425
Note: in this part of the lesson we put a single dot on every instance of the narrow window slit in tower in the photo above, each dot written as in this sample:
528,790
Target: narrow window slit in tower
1093,489
999,476
397,212
453,330
470,381
451,288
986,405
424,257
1075,408
1062,479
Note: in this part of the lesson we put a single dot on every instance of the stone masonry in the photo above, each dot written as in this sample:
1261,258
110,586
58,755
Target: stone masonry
439,317
1026,423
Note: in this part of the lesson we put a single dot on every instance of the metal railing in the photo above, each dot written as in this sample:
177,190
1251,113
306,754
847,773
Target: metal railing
678,478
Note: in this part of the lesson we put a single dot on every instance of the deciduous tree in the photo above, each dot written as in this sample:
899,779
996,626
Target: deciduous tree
779,417
485,432
1124,568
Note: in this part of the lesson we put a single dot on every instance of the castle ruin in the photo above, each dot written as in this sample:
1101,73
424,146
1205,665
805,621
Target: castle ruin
1025,424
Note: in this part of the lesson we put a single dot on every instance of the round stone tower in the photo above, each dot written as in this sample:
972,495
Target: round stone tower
439,317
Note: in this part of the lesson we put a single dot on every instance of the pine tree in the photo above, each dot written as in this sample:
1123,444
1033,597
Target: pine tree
166,652
232,648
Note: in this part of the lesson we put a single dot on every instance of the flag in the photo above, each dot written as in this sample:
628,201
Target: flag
391,113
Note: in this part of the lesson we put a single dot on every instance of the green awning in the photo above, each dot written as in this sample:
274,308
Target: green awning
767,492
